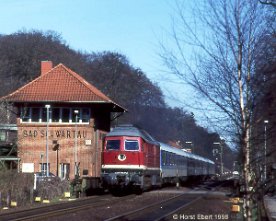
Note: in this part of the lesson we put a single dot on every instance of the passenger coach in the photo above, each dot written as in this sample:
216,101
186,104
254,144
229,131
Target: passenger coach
179,165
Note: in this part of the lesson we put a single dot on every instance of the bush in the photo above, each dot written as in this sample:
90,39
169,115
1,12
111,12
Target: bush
19,187
52,189
15,186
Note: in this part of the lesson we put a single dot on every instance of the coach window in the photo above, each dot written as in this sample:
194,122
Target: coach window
166,158
163,157
173,159
131,145
113,145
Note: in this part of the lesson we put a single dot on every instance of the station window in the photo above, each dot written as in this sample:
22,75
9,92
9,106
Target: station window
113,145
85,115
44,115
131,145
35,114
65,114
64,169
76,115
43,168
55,114
25,114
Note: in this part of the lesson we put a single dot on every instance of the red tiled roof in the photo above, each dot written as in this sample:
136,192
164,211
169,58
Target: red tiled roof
60,84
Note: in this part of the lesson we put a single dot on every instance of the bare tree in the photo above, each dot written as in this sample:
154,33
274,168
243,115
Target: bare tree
223,36
268,2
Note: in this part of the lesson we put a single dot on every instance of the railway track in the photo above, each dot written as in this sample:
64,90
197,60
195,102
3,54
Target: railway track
164,210
160,210
59,209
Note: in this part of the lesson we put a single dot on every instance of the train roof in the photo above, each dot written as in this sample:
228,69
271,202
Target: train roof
180,152
131,131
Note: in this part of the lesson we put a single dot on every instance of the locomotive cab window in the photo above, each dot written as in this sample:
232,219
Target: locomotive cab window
131,145
113,145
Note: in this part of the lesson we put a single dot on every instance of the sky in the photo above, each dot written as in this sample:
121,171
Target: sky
130,27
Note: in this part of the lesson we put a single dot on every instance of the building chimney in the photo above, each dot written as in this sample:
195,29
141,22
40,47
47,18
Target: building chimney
46,66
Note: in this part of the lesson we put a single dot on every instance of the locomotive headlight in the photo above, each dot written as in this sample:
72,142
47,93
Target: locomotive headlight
121,157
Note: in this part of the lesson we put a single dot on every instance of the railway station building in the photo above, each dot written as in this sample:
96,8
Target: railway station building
61,120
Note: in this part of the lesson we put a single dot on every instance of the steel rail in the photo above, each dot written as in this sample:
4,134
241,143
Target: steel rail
162,203
178,209
44,212
42,207
148,207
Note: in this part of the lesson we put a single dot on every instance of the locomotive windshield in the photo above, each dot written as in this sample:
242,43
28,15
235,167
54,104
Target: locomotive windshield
131,145
113,145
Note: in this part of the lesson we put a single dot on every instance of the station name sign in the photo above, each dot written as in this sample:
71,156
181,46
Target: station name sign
65,134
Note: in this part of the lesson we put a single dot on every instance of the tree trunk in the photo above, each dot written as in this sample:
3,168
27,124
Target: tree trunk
246,169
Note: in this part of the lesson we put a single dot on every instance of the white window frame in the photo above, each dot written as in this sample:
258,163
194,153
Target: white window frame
132,140
71,115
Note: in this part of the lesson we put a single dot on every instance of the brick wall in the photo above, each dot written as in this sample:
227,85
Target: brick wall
70,137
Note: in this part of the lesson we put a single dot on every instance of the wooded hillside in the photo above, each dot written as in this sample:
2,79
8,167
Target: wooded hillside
111,72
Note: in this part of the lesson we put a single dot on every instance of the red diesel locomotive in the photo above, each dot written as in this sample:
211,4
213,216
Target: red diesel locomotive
130,159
